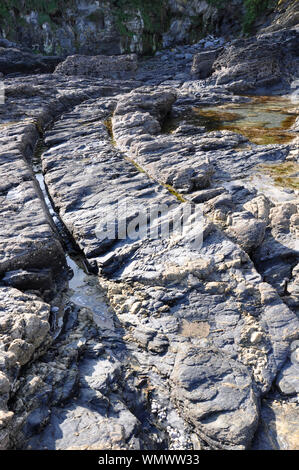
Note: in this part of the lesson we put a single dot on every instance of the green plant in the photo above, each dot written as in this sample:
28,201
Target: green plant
11,11
153,15
217,3
254,9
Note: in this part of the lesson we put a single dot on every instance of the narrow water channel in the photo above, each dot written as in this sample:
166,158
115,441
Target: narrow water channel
83,287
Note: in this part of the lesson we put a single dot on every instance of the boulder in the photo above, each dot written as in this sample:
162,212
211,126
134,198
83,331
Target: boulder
246,230
202,66
115,67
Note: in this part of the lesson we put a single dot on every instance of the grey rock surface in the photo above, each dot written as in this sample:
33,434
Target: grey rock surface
157,342
216,395
278,429
115,67
265,60
255,340
202,65
24,330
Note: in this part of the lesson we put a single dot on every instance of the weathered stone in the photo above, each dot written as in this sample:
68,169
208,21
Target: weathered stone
186,339
246,230
25,280
24,334
287,380
217,285
216,395
115,67
278,429
266,60
202,66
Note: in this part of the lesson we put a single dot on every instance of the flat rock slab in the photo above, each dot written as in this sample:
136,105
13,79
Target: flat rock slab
28,238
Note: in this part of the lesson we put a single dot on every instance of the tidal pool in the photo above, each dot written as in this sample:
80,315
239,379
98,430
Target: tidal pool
264,120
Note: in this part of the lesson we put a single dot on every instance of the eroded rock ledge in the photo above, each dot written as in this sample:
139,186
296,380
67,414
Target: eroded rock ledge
182,345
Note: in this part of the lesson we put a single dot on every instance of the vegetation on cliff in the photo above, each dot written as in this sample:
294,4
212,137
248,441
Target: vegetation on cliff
146,20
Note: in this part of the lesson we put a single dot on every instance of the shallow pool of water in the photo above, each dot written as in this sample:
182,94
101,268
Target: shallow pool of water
85,291
264,120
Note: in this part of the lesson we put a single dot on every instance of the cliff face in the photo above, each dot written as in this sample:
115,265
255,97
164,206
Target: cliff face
143,26
285,15
117,26
85,26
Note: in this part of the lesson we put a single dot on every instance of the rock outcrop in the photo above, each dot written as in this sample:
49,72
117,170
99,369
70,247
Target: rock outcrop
252,64
202,66
285,15
109,27
24,330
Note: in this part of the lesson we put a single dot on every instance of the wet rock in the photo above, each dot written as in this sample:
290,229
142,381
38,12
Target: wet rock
25,280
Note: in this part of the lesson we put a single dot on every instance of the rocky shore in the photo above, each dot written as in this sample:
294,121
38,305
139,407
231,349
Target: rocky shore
151,342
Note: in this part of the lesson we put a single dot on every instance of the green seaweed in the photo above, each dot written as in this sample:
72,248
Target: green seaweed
253,120
171,189
108,124
284,174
